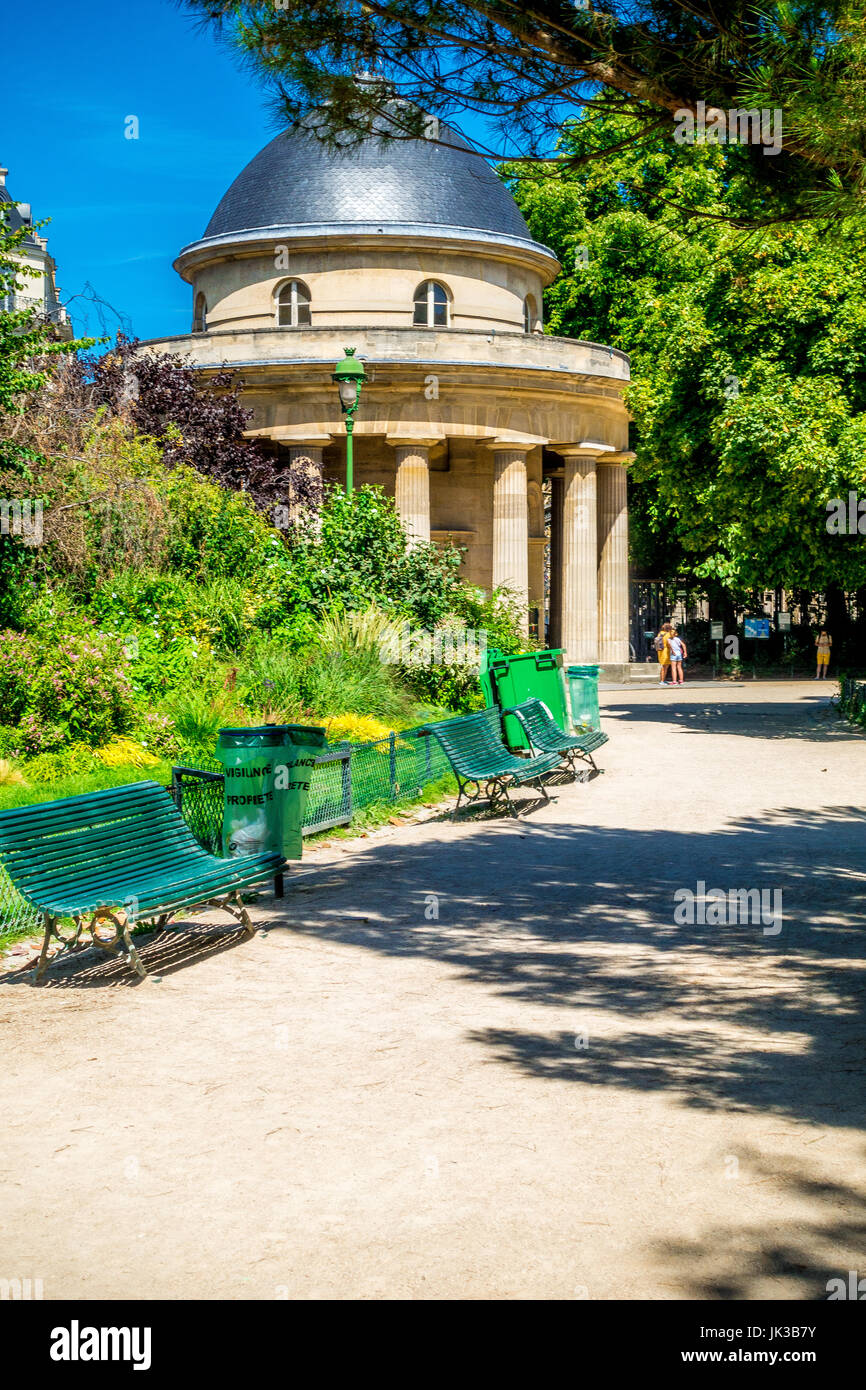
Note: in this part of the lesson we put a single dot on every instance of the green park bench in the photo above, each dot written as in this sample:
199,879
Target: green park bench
479,759
546,736
118,856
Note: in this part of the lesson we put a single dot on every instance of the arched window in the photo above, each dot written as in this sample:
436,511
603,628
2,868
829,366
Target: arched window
530,315
199,314
293,305
431,305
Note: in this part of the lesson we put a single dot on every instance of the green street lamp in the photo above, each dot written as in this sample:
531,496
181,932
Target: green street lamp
350,377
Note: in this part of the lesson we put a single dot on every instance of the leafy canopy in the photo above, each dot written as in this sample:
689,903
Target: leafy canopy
748,357
526,67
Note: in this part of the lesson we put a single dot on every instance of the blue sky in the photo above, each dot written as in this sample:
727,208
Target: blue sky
121,209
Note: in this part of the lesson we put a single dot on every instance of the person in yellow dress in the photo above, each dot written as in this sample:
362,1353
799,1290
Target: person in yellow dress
662,645
823,643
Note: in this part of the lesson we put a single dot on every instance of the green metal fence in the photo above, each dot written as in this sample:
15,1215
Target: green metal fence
347,777
16,914
852,700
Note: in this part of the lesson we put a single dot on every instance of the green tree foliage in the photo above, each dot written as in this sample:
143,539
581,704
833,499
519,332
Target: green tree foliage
198,421
525,67
357,553
748,357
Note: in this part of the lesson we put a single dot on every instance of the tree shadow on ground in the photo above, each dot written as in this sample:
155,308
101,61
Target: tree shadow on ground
744,1262
812,718
723,1017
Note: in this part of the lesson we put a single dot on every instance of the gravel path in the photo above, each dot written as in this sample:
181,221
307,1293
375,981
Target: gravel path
484,1060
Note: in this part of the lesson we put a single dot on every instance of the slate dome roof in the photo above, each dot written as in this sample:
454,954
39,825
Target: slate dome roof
296,180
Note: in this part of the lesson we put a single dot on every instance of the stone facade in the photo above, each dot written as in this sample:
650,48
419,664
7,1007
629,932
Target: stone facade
38,291
463,423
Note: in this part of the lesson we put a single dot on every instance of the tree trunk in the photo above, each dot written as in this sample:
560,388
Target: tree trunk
836,612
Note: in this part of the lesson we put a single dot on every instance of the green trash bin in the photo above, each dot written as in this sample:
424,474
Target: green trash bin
509,680
583,693
267,781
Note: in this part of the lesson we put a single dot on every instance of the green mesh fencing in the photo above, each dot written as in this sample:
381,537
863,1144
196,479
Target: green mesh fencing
16,914
198,795
852,700
347,777
394,767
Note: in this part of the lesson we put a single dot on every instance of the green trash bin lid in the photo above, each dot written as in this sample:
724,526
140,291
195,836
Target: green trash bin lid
273,733
583,670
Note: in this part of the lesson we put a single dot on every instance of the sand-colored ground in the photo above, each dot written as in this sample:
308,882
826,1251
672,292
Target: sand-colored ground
549,1089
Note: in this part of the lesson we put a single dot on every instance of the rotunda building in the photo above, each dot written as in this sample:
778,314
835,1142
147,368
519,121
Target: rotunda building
414,253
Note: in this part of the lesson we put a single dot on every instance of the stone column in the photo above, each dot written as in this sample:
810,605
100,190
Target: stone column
579,556
412,486
555,566
613,590
305,457
511,527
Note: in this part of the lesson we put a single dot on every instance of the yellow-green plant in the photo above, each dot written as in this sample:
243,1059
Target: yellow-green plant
356,728
125,752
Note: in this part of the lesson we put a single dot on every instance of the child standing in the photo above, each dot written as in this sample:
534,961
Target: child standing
678,655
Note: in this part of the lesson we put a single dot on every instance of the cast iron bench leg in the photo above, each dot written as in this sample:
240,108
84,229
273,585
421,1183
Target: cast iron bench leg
234,905
43,958
132,955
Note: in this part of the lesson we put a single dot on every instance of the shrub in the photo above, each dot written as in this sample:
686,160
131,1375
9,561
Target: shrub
345,670
81,686
355,728
292,633
16,666
157,732
196,422
452,687
155,618
198,715
496,615
226,610
156,668
452,681
11,742
37,738
341,671
269,679
214,533
53,767
356,554
125,752
131,600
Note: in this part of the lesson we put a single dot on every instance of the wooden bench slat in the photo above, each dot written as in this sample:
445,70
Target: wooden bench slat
474,747
100,850
546,736
64,850
158,893
89,807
